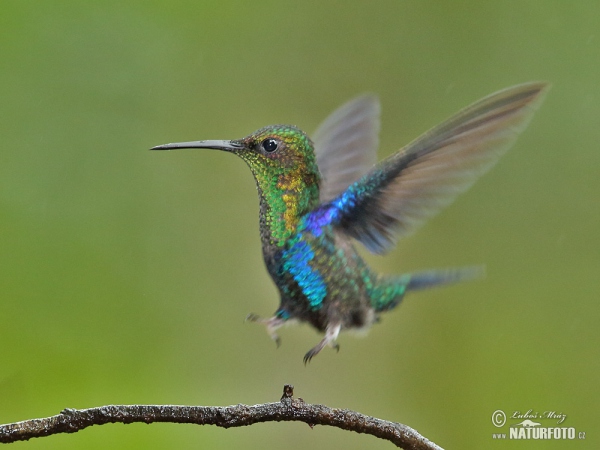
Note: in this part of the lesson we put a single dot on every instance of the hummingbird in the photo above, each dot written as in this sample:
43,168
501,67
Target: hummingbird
320,196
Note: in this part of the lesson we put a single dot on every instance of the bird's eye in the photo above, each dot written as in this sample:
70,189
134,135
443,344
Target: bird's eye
269,145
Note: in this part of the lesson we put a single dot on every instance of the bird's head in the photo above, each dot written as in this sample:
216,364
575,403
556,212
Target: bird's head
270,152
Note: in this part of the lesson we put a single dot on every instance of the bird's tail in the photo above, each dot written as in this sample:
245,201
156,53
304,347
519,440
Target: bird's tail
388,291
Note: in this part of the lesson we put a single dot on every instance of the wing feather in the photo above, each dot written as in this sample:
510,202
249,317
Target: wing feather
403,191
346,145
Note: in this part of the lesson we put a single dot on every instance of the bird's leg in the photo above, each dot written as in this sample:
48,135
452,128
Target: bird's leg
331,334
271,324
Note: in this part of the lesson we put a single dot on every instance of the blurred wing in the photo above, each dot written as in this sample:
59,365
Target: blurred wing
346,145
409,187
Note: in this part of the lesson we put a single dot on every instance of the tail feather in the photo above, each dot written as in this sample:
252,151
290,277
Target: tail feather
389,291
430,278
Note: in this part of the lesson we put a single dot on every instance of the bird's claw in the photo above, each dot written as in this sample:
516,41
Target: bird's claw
252,318
271,324
331,334
309,355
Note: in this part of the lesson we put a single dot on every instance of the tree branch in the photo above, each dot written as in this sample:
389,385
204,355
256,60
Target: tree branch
287,409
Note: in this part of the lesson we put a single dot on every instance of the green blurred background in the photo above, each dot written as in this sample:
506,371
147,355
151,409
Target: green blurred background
126,274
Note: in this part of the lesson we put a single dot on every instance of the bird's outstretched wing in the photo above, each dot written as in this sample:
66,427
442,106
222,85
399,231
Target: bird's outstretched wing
409,187
346,145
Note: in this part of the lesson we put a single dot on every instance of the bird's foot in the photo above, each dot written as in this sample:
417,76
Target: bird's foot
331,334
271,324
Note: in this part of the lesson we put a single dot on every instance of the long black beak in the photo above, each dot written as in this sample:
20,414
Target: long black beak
218,145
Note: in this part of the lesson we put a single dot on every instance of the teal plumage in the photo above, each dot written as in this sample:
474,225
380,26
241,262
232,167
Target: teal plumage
316,198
